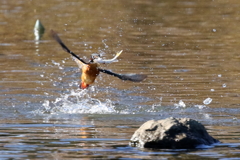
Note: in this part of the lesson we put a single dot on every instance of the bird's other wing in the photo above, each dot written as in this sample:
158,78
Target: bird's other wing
77,59
104,61
79,63
130,77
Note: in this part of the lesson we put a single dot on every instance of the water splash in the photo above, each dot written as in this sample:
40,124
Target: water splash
207,101
200,106
180,104
94,100
77,101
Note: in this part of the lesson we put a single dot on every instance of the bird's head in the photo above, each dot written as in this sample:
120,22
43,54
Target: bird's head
94,57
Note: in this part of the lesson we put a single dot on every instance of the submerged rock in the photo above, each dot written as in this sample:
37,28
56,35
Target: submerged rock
171,133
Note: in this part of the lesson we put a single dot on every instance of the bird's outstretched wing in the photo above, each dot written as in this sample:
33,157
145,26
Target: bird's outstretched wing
130,77
104,61
77,59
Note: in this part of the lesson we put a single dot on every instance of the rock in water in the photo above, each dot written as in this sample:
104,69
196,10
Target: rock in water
171,133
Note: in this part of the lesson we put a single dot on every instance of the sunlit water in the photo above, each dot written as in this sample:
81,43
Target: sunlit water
188,49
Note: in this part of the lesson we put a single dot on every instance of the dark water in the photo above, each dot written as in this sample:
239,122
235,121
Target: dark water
188,49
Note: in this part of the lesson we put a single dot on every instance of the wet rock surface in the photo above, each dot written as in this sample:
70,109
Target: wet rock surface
171,133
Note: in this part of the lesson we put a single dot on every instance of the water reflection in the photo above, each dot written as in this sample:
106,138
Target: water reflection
92,137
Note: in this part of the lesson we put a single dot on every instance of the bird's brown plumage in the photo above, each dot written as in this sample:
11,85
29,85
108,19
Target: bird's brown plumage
89,74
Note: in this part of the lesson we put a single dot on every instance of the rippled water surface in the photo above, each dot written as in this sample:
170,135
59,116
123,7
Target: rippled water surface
188,49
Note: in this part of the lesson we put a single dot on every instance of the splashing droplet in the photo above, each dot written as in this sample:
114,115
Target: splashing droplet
180,104
207,101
